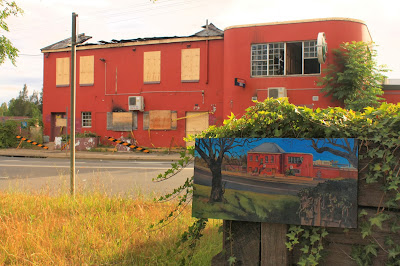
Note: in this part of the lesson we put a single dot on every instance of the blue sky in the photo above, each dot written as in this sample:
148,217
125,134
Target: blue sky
295,145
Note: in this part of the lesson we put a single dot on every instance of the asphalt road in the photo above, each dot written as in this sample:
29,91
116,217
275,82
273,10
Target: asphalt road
125,177
259,185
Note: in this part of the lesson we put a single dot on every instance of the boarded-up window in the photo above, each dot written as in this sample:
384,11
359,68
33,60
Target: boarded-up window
121,121
151,67
160,120
86,73
190,65
62,71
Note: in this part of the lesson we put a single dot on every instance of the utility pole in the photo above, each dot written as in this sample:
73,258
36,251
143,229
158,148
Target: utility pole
73,101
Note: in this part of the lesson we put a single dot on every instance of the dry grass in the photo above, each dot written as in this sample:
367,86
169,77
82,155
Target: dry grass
92,229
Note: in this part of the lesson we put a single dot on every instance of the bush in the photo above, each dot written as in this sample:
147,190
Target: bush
8,131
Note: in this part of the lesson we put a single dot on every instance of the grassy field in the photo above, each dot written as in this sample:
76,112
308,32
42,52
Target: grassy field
246,206
94,229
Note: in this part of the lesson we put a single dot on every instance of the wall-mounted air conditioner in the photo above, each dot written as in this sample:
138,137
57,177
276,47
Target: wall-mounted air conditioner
277,93
136,103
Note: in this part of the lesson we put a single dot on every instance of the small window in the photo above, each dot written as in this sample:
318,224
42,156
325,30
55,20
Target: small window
251,158
256,158
261,160
86,119
266,159
296,160
272,159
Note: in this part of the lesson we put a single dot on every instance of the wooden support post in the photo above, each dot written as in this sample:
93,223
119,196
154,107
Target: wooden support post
242,241
273,249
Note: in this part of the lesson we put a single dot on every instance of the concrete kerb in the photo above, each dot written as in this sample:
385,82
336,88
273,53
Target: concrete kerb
153,156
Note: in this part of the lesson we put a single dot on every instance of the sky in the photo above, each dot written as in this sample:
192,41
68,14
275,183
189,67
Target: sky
48,21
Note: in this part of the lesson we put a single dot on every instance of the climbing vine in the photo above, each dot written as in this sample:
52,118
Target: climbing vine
378,132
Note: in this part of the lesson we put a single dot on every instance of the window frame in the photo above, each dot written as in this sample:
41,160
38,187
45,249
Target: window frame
303,58
85,119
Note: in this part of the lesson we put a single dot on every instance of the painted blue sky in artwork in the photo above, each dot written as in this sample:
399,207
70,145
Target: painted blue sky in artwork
295,145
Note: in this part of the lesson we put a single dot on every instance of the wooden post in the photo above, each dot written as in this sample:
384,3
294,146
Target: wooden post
273,249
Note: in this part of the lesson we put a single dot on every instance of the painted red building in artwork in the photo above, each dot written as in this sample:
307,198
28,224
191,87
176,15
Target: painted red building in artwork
159,90
269,159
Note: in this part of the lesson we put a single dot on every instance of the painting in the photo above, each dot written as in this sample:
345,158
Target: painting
277,180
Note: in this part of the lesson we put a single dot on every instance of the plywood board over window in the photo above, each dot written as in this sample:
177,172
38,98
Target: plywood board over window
122,121
190,65
62,71
160,120
152,67
86,73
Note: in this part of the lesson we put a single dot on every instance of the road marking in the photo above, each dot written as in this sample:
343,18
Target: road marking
92,167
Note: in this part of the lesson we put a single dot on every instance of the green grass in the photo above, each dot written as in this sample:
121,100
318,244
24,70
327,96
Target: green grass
247,206
94,229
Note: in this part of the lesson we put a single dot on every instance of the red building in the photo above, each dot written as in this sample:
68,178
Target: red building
269,159
160,90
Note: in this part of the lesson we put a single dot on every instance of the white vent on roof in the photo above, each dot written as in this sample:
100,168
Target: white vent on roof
277,93
136,103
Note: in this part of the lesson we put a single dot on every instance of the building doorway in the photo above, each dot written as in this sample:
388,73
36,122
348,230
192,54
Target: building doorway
58,125
196,122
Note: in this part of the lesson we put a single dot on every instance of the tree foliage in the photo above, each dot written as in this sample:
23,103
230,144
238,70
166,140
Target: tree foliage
7,49
25,105
355,78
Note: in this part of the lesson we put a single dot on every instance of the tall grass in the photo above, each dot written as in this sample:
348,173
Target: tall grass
93,229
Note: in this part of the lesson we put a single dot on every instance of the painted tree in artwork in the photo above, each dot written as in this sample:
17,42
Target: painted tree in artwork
212,151
339,147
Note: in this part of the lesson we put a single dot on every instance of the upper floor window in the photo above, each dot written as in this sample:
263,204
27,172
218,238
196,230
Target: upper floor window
62,71
86,119
190,65
152,67
86,70
294,58
296,160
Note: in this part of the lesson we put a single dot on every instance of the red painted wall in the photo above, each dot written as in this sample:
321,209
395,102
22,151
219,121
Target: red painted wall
300,89
106,94
264,166
227,59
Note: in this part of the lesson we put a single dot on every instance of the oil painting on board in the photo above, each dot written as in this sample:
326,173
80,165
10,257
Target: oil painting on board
276,180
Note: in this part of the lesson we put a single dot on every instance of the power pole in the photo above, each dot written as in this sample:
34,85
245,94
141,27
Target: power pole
73,102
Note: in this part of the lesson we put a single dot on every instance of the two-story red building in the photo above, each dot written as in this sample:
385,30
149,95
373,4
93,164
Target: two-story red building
160,90
269,159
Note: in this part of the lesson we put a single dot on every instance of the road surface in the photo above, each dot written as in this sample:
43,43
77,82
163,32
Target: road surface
111,176
259,184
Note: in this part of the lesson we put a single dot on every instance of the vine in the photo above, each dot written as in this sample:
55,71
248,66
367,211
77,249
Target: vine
378,131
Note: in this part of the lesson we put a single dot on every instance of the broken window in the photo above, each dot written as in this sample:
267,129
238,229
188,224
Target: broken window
294,58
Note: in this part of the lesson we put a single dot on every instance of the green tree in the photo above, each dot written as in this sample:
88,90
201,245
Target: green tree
355,78
25,105
6,47
3,109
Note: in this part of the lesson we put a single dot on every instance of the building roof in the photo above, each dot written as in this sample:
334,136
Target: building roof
210,30
268,147
81,38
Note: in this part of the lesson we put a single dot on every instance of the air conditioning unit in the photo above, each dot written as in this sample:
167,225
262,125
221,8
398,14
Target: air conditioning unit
277,93
136,103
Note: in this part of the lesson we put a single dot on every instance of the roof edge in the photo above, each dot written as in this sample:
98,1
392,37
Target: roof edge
295,22
149,42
